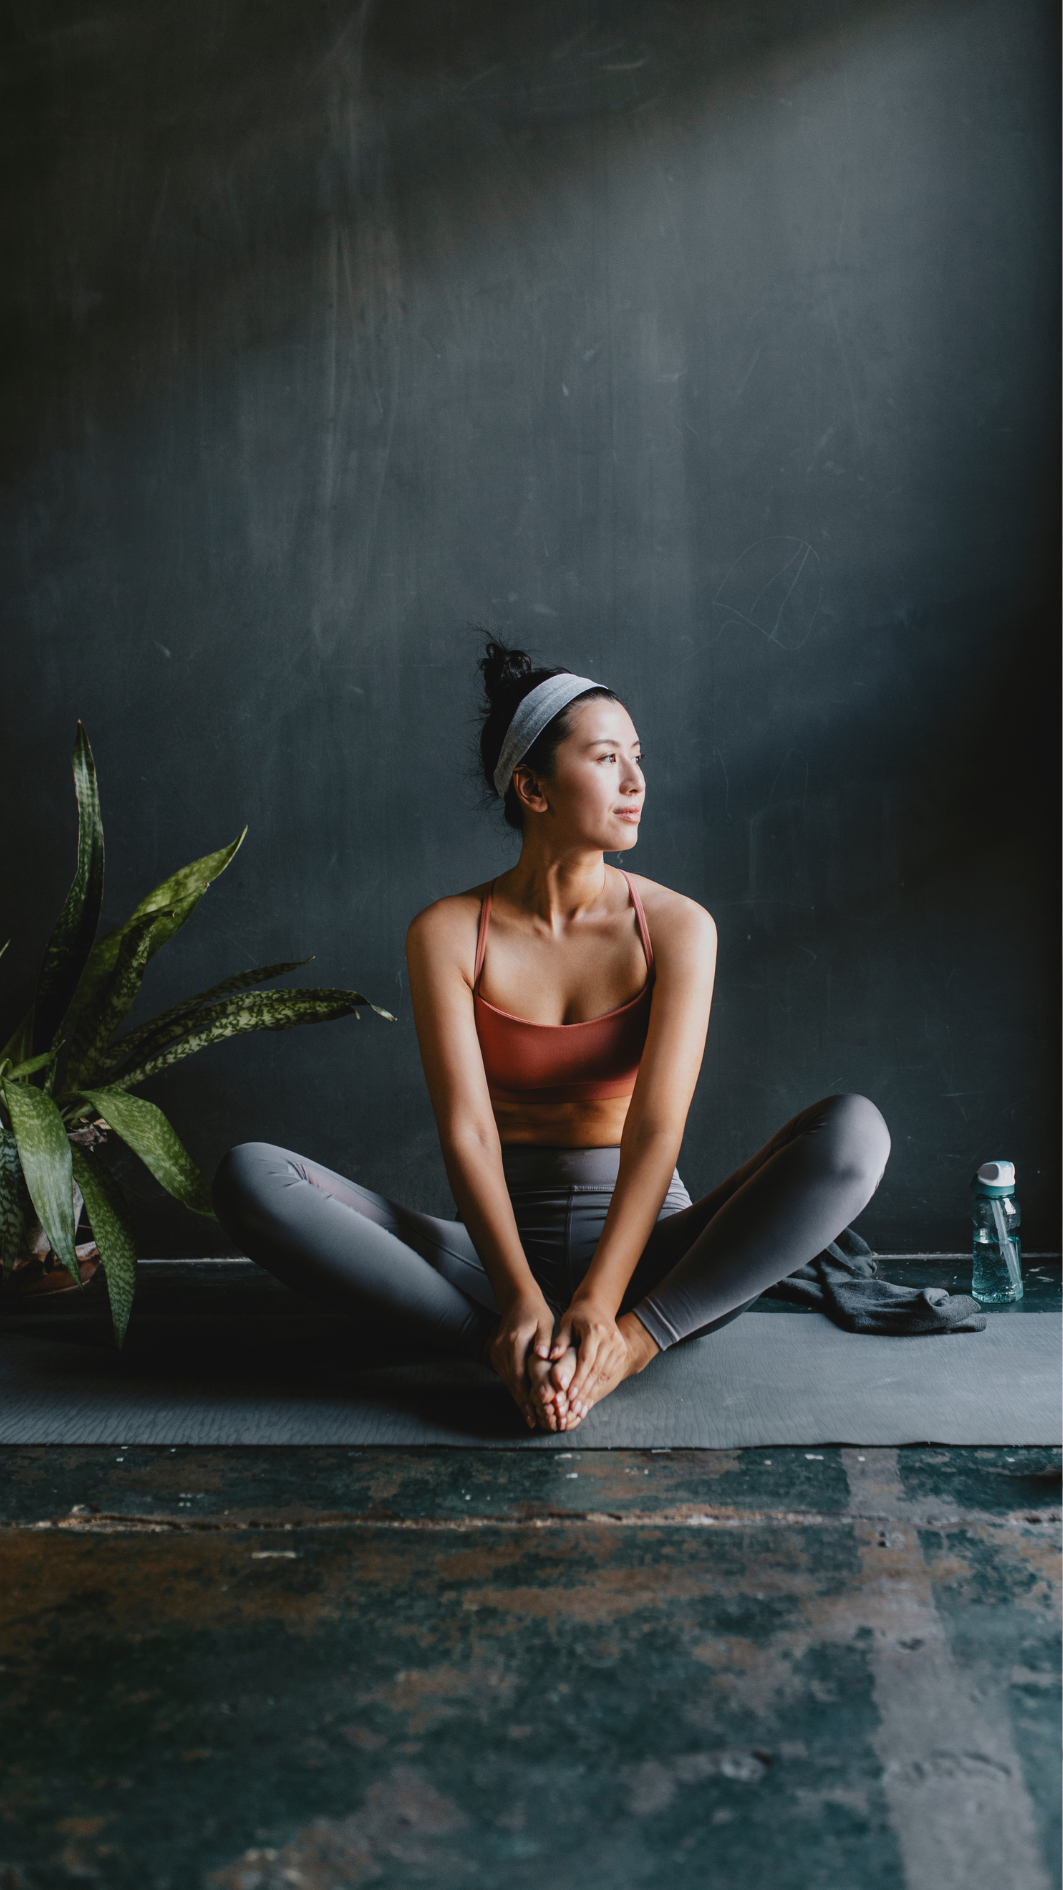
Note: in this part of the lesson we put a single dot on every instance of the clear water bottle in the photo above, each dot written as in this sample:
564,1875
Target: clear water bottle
997,1248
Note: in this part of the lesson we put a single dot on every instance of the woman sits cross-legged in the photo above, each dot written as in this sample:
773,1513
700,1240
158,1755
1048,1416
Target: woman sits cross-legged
561,1013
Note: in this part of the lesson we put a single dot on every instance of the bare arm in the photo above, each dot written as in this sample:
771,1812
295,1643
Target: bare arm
439,953
684,941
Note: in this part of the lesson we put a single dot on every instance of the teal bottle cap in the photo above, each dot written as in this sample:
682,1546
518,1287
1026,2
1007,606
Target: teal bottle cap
995,1178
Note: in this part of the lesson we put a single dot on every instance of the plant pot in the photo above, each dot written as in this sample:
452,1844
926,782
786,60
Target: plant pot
45,1273
38,1270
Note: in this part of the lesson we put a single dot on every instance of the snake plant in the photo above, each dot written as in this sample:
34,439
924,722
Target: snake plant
67,1080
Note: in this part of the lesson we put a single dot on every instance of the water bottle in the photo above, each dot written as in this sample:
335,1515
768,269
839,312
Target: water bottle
997,1248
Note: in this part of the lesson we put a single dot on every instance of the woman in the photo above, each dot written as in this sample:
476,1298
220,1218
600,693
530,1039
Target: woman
561,1013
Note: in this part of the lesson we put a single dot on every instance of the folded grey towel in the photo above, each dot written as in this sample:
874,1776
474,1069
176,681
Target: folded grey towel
843,1282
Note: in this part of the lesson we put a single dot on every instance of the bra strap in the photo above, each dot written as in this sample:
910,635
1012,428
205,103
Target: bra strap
481,936
640,915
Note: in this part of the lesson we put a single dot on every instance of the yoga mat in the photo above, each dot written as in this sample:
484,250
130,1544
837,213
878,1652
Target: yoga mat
759,1381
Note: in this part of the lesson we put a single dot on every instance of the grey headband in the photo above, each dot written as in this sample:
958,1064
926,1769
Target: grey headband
539,707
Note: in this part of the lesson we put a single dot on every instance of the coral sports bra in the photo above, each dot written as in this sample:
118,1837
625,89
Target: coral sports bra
560,1063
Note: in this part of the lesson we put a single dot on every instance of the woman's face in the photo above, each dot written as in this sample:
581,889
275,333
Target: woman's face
595,792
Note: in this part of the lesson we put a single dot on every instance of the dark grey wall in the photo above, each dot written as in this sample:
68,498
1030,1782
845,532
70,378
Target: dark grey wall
706,348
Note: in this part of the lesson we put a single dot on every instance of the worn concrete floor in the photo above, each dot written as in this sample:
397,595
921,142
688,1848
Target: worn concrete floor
252,1669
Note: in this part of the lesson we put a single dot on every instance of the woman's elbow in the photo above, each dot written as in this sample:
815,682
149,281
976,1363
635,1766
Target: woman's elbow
468,1138
644,1128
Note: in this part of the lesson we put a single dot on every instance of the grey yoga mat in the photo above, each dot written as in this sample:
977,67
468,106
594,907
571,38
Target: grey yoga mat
758,1381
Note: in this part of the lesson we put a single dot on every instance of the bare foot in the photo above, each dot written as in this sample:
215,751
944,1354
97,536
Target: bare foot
637,1352
550,1404
562,1372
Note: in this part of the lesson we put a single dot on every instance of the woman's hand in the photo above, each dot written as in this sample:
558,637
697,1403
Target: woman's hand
602,1352
607,1350
525,1329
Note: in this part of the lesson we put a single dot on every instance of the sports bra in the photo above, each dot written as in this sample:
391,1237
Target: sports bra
557,1063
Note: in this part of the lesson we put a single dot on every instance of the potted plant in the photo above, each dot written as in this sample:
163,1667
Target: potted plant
68,1080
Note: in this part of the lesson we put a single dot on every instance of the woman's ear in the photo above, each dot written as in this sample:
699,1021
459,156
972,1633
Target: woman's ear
529,790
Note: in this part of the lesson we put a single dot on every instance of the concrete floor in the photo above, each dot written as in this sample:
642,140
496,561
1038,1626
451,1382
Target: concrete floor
248,1669
252,1669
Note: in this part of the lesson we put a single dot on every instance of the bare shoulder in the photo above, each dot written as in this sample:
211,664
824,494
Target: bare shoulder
673,919
448,926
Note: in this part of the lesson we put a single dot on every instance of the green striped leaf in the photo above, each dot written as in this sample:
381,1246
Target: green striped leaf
189,882
112,1230
177,896
145,1130
68,949
44,1153
162,1030
10,1199
113,1001
20,1042
265,1010
23,1070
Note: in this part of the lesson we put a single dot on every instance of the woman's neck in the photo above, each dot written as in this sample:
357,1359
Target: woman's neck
556,886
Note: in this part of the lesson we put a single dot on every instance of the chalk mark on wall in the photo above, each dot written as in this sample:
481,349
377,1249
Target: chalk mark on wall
775,586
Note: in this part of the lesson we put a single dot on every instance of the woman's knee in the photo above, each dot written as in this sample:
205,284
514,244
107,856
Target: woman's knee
236,1185
858,1139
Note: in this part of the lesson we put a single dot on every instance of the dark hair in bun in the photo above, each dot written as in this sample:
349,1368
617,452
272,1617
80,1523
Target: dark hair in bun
509,676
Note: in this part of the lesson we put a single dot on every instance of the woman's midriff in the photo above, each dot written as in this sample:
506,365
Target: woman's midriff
563,1125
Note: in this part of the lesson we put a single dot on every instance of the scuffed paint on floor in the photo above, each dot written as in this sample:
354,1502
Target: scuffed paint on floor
256,1669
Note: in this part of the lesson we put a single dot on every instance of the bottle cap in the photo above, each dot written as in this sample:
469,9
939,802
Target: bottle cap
995,1178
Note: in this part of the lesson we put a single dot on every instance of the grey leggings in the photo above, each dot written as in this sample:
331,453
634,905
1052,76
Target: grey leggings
704,1262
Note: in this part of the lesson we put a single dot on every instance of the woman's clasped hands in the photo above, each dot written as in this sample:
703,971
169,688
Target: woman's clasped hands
555,1376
